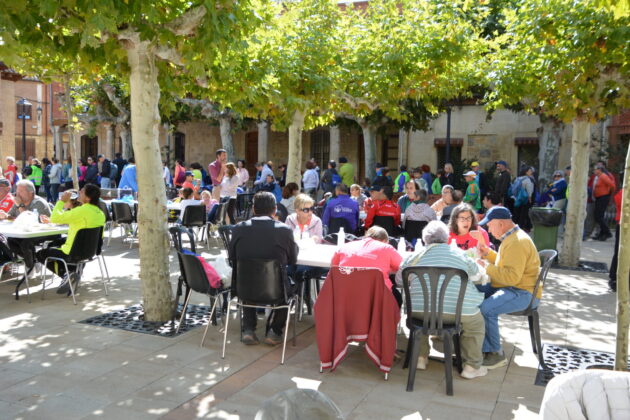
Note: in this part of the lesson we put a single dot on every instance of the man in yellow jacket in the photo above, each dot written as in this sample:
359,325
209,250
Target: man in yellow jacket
513,272
87,215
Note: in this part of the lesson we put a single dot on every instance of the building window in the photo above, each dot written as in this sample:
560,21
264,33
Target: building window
89,147
180,146
30,148
527,152
320,147
25,110
389,151
455,152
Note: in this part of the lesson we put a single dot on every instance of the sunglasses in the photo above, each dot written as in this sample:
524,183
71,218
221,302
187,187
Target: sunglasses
307,209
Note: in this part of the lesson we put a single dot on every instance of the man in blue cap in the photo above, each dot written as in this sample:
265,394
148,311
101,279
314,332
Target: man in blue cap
513,272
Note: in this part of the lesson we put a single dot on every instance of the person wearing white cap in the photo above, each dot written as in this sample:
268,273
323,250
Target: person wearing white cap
472,197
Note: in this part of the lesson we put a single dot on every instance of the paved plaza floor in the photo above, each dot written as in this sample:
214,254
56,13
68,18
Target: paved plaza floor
53,367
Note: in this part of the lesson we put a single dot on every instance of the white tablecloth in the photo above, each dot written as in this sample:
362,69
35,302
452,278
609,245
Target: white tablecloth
319,255
37,231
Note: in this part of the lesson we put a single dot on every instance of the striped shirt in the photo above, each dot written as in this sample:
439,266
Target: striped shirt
443,255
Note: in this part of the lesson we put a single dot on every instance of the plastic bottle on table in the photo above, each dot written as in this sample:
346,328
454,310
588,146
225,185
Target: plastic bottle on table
341,236
36,213
402,245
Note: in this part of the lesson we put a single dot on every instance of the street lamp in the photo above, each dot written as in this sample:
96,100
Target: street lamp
23,104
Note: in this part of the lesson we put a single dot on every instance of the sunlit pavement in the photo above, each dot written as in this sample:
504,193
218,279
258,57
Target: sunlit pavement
54,367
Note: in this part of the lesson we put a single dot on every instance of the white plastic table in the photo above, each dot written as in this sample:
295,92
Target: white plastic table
319,255
8,229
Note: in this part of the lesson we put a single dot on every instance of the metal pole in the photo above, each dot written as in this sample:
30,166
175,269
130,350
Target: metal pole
23,136
448,136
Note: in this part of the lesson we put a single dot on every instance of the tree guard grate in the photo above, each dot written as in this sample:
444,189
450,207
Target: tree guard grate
560,359
589,266
131,319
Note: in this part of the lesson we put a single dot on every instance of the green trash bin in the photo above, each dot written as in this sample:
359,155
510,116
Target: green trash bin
545,222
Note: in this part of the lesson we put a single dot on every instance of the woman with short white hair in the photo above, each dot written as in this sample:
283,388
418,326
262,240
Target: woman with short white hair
304,222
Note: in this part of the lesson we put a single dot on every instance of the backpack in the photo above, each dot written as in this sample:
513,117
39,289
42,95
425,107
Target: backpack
518,192
181,177
211,274
336,179
113,170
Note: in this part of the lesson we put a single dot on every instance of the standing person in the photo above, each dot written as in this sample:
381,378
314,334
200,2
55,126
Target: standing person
357,195
216,170
402,179
66,173
230,182
473,194
329,177
166,175
180,173
91,173
11,170
481,178
448,177
104,171
513,272
120,164
129,178
417,176
35,174
47,166
283,176
81,172
346,171
502,186
310,179
521,208
612,274
55,179
264,170
241,170
436,186
426,175
603,188
246,241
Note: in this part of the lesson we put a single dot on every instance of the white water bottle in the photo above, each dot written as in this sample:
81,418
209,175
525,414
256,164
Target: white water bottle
297,234
418,246
36,213
402,246
341,236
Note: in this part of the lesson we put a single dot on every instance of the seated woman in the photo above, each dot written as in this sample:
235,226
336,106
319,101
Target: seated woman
438,253
357,195
210,203
188,199
289,192
373,251
464,229
405,200
418,209
446,200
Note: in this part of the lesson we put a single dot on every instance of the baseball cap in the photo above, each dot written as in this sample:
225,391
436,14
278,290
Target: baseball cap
188,173
495,213
472,165
5,182
501,162
470,173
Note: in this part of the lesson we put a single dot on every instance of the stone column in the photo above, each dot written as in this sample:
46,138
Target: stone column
57,142
334,143
263,141
403,140
109,141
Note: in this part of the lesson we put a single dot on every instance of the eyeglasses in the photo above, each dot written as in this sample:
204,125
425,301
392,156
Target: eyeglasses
307,209
465,219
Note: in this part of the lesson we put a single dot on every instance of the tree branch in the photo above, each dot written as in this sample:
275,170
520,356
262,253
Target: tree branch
356,102
186,24
115,100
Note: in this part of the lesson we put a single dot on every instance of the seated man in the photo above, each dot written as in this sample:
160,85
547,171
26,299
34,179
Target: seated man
373,251
86,216
513,271
342,207
26,200
263,237
382,205
438,253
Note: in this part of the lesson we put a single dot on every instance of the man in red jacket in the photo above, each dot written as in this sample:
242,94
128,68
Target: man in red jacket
603,188
382,205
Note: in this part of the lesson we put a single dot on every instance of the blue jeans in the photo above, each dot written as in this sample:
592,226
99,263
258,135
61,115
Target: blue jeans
105,182
503,300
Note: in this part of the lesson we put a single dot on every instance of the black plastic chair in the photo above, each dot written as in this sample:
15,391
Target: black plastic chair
387,223
218,221
282,212
225,233
194,217
261,283
123,217
195,279
413,229
531,312
431,323
244,206
337,223
87,243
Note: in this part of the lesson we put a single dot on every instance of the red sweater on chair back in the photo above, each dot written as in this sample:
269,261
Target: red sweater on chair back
355,305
